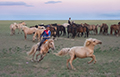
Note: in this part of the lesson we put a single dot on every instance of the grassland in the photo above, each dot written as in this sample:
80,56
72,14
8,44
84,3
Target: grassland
14,61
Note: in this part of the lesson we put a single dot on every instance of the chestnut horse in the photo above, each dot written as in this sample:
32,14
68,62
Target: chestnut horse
115,28
93,28
103,28
80,51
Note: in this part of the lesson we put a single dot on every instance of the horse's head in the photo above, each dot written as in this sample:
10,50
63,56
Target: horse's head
92,42
51,44
23,23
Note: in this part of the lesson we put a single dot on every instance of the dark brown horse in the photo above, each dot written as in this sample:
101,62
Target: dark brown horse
82,29
71,29
103,29
59,28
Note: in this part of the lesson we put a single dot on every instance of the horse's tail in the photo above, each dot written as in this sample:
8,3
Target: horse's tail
62,52
32,50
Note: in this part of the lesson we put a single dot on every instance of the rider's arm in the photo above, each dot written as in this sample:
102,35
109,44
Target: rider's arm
42,34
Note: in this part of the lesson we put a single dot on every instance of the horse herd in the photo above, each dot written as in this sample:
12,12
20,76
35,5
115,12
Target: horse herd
58,29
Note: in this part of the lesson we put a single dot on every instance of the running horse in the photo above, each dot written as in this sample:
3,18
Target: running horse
44,49
80,51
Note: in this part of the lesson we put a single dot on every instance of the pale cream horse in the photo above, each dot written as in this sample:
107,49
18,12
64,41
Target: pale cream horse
19,26
44,49
38,33
81,51
12,28
28,31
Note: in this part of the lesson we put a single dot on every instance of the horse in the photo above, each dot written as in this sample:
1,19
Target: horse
65,25
103,28
13,28
115,28
59,28
19,26
44,49
82,29
28,31
71,29
80,51
39,27
93,28
38,33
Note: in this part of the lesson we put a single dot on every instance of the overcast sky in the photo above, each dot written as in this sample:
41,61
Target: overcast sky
59,9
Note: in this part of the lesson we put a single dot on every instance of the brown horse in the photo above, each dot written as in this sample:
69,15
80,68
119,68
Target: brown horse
115,28
44,49
103,28
93,28
80,51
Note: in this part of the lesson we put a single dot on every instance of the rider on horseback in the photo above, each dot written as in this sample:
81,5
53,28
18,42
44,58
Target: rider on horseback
46,35
69,21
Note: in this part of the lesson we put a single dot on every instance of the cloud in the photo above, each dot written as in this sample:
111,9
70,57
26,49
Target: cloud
15,4
53,2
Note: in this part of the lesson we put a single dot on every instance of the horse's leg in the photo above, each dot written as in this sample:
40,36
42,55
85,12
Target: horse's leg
42,56
33,57
67,63
37,56
70,61
93,58
68,34
25,35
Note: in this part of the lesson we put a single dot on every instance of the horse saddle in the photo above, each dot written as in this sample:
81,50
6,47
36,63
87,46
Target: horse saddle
45,41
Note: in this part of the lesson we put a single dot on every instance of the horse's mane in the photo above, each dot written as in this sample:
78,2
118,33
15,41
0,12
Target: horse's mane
50,40
86,41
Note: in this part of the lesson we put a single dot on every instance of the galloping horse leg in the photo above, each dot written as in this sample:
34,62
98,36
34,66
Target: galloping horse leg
70,61
33,57
42,56
37,56
93,58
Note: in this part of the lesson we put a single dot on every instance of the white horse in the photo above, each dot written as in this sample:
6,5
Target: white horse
80,51
19,27
12,28
28,30
65,24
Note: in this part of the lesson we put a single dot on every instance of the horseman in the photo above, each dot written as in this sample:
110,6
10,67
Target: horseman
69,21
46,35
